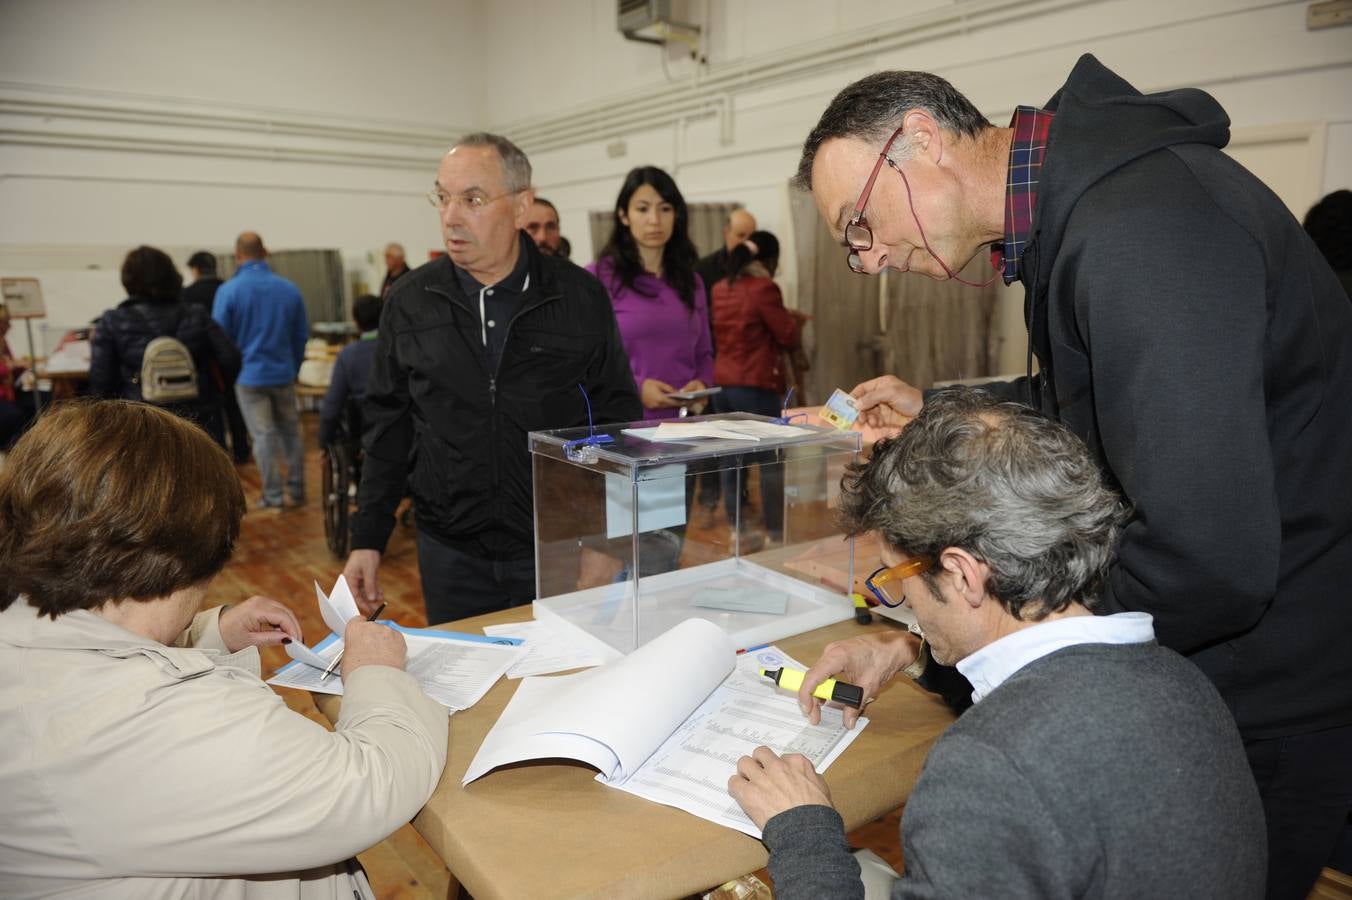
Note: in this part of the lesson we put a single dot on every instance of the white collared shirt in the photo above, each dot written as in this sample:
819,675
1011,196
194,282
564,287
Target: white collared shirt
988,667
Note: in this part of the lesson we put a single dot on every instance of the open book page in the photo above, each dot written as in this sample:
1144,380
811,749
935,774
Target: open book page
615,716
690,771
455,669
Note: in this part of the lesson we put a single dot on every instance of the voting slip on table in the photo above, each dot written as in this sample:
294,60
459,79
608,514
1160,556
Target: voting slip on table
549,829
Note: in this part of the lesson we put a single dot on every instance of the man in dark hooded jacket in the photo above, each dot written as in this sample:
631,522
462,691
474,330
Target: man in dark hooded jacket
1188,330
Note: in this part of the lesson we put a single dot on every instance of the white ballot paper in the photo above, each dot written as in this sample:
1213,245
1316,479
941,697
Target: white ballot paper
455,669
717,430
666,723
553,647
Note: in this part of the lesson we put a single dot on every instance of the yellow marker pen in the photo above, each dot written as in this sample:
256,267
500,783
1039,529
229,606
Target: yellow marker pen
862,615
841,692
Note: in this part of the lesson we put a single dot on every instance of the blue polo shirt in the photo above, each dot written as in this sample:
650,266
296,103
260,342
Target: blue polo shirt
264,315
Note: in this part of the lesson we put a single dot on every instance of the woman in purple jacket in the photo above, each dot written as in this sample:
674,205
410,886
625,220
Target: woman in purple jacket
648,267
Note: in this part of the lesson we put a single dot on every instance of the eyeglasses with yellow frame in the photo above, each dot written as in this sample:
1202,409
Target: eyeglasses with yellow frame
885,583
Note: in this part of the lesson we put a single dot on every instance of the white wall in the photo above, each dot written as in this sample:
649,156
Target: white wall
183,122
732,130
319,122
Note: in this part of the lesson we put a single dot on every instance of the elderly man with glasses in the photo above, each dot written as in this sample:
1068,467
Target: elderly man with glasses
1094,763
476,349
1192,335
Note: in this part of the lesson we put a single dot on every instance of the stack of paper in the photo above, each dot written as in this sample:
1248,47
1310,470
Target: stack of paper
454,669
667,723
553,647
717,429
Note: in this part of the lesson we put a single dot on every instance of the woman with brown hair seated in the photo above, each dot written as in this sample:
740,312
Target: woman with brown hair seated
144,757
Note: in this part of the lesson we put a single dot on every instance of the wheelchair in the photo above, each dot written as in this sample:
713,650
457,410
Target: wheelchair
340,477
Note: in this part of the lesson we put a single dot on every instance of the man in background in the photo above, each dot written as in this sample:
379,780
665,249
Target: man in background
264,315
476,349
542,224
202,291
714,267
396,267
351,370
1329,225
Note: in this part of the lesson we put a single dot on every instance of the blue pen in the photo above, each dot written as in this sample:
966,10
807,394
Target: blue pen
752,649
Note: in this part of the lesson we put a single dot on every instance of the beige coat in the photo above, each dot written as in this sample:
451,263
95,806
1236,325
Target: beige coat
133,770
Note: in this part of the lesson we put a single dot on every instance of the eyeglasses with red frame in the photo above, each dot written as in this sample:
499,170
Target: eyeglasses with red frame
859,237
885,582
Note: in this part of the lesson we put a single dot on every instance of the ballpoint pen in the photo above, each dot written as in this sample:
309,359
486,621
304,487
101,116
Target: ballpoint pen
339,658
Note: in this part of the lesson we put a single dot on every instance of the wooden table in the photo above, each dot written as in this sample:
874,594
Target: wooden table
543,830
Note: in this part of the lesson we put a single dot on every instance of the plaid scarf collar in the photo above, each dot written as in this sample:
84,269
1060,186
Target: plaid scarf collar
1025,168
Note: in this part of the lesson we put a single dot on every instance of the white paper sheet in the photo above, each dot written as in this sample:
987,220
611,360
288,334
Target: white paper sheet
744,430
628,707
661,501
551,647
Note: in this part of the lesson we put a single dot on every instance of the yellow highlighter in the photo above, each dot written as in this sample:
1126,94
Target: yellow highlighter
841,692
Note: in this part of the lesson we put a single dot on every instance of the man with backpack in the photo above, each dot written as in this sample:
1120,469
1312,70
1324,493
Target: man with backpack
263,313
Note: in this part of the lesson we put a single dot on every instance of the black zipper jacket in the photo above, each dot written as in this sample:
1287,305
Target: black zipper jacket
437,420
1192,334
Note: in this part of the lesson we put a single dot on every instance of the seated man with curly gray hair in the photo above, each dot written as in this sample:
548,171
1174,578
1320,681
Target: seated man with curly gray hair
1093,763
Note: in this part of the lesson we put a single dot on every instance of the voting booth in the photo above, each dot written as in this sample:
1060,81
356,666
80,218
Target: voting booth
618,556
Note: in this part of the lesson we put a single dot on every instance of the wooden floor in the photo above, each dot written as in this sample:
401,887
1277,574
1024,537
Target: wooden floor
281,555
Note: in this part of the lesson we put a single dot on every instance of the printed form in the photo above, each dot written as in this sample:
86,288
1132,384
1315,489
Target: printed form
455,669
690,771
666,723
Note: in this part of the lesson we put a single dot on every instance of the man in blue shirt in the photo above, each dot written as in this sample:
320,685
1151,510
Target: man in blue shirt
264,315
351,370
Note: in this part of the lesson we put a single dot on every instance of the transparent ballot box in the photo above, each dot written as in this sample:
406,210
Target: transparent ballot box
627,546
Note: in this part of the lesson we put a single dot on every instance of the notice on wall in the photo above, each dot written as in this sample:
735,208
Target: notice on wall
22,298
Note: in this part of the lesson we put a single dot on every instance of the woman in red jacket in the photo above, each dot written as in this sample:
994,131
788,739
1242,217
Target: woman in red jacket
752,329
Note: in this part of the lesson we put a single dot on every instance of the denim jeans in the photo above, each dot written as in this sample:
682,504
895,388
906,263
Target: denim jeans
274,425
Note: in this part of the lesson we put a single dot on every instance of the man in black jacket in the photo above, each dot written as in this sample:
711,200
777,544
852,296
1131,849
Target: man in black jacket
202,292
477,349
1189,331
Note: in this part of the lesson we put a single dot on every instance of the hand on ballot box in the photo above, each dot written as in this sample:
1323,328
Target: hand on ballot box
767,784
868,661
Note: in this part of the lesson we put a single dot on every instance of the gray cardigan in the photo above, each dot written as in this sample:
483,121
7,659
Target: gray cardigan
1099,770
